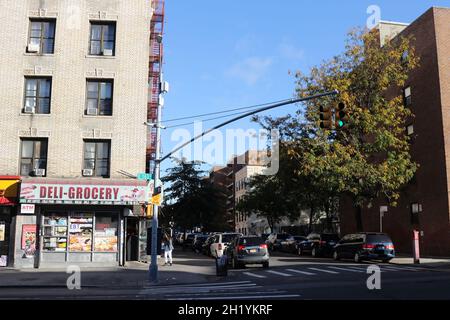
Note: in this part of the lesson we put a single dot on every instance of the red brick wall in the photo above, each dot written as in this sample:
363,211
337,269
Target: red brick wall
430,187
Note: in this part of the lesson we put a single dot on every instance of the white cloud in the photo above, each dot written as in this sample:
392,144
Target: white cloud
250,70
289,51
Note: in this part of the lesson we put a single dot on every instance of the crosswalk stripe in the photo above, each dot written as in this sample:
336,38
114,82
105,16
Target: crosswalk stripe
365,269
254,275
346,269
280,273
323,270
400,268
301,272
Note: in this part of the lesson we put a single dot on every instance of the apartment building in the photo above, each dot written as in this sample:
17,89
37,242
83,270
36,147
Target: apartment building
424,203
73,104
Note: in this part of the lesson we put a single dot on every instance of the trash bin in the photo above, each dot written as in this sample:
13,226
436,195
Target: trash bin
222,266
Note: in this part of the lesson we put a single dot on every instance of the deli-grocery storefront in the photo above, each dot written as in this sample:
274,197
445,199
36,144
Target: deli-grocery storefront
75,221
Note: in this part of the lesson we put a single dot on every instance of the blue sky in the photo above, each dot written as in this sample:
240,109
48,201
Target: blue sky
225,54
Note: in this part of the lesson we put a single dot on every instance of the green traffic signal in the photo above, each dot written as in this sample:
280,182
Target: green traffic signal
341,115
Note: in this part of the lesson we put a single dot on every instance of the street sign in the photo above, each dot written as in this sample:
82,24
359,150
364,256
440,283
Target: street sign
158,194
144,176
27,209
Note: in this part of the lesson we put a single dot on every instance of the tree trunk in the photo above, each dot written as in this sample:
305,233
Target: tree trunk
358,218
311,215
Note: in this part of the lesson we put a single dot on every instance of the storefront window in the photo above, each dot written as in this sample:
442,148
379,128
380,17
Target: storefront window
55,233
80,239
105,233
78,231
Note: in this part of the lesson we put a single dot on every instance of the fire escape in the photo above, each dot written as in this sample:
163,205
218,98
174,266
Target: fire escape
155,68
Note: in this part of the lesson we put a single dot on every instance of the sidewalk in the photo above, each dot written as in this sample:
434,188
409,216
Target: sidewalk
424,262
186,269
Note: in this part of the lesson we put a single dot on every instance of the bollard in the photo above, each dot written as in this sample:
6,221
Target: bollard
416,248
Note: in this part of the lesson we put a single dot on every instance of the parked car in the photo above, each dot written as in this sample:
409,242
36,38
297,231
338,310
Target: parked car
220,243
245,250
274,240
291,243
197,244
318,244
179,239
206,246
188,241
365,246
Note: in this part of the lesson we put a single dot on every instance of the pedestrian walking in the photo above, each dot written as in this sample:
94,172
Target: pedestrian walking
168,248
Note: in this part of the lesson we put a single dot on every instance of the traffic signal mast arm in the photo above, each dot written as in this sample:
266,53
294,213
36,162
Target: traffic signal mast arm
291,101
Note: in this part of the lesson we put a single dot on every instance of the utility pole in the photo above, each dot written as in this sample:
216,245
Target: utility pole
153,269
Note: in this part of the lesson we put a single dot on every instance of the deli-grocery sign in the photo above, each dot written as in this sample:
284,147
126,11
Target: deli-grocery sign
82,194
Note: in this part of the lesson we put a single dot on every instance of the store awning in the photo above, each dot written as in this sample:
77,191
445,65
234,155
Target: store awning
83,191
9,190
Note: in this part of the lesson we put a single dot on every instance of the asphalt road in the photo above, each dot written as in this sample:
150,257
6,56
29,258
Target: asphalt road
289,277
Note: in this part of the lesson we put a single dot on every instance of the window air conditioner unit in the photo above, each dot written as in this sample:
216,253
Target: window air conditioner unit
107,52
91,111
88,172
29,109
164,87
39,172
33,47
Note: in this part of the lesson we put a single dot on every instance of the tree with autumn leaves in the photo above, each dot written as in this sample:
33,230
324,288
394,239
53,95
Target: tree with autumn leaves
369,157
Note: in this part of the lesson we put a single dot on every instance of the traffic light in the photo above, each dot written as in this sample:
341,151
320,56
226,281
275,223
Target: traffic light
325,117
341,116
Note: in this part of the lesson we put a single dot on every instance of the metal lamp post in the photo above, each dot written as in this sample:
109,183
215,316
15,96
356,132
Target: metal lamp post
153,269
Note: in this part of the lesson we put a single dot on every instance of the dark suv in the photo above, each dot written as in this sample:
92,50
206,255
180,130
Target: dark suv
365,246
318,244
247,250
274,240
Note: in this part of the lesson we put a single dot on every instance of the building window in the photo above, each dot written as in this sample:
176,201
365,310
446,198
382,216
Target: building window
102,39
410,130
99,97
33,157
41,36
416,209
37,95
96,158
407,97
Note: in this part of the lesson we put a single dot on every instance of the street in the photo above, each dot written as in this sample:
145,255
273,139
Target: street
192,277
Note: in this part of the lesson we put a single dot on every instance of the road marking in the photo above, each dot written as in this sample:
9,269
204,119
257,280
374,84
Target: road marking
323,270
346,269
254,275
302,272
392,268
244,297
279,273
195,285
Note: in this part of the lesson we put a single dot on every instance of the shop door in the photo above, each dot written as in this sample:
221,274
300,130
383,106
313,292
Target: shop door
132,239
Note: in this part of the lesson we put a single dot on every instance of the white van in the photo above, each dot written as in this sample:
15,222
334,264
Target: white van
221,241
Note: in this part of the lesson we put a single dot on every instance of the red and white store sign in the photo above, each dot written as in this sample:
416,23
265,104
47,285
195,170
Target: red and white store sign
82,194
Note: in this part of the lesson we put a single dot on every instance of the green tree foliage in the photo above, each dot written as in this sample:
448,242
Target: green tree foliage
369,158
191,200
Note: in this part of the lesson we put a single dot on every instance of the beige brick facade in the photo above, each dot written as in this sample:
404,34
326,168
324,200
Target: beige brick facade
67,125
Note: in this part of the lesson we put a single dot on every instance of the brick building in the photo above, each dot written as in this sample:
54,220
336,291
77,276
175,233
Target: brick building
73,102
424,203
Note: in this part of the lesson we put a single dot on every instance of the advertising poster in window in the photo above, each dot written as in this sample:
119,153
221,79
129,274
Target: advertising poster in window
2,231
106,234
29,239
81,233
